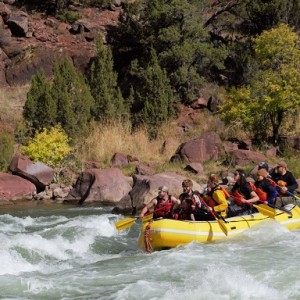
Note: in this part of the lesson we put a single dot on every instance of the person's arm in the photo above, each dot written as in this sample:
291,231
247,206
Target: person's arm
151,204
254,198
175,201
292,184
192,217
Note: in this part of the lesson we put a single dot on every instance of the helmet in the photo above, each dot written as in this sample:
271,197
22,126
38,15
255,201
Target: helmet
263,165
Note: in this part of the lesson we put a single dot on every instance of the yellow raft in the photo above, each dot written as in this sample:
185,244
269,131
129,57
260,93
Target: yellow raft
168,233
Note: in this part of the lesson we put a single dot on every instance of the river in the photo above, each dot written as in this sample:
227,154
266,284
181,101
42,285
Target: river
66,252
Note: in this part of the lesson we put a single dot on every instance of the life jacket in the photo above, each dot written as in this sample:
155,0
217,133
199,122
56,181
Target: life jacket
280,183
182,214
260,193
163,209
237,197
211,201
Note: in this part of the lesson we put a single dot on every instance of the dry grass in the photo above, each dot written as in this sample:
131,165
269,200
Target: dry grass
12,100
106,139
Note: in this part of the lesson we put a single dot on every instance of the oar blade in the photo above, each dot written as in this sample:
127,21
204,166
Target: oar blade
223,226
124,223
266,210
147,218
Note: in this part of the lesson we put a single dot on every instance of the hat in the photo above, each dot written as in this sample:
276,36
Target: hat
163,188
282,164
263,165
262,172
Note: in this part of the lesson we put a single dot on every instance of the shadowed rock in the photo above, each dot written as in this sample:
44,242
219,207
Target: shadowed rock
37,173
94,185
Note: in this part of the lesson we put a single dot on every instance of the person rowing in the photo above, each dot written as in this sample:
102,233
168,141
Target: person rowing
162,204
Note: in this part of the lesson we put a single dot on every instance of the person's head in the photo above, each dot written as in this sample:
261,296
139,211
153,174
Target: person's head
263,165
187,203
213,180
240,176
261,174
281,168
162,190
187,185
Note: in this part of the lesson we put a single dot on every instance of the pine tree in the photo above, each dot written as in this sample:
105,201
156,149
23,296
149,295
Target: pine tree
154,94
109,103
40,108
73,98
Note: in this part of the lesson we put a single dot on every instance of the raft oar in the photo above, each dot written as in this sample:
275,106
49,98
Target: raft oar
220,220
288,192
128,222
262,208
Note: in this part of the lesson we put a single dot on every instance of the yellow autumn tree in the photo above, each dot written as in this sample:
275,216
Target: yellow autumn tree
49,146
273,95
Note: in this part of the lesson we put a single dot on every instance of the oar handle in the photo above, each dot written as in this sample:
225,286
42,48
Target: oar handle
290,193
210,211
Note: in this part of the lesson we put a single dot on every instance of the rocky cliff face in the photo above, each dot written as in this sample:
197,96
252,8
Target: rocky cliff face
30,41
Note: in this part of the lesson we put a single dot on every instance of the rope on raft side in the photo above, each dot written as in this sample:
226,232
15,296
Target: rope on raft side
148,247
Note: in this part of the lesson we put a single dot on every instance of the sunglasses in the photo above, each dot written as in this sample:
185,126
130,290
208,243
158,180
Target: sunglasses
236,174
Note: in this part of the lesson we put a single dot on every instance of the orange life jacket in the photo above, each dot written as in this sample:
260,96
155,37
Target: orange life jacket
260,193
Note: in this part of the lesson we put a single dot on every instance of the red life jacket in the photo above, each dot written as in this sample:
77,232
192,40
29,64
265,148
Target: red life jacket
163,209
260,193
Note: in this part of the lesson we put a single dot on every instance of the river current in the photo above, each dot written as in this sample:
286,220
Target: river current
64,252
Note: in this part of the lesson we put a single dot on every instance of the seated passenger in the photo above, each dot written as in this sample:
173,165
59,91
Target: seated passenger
216,197
285,183
185,210
243,195
162,204
199,210
264,189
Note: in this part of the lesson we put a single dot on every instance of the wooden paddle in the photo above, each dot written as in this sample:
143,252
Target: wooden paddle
220,220
128,222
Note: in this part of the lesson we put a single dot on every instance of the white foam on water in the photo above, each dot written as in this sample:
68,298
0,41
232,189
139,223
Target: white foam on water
52,247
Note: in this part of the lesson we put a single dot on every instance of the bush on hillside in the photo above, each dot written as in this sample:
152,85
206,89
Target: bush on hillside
49,146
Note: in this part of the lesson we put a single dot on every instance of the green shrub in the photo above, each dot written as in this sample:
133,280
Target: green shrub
68,16
6,150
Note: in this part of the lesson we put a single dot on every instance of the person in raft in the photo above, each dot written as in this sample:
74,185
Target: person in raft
215,197
199,210
243,195
162,204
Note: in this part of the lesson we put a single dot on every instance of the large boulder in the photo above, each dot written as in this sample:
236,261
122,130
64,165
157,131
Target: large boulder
107,186
145,188
205,148
14,188
37,173
244,157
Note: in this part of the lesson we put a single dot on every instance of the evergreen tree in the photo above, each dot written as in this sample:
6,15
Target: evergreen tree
175,29
40,108
109,103
153,94
73,98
